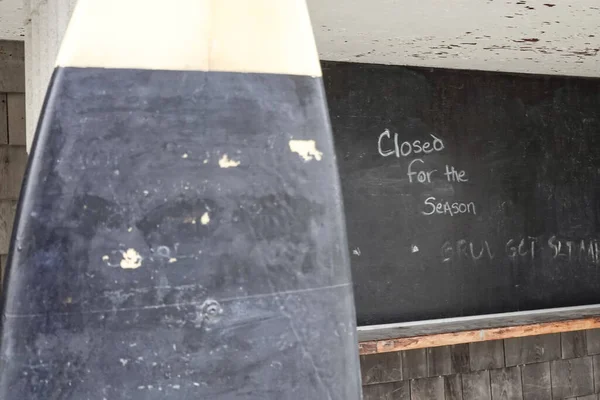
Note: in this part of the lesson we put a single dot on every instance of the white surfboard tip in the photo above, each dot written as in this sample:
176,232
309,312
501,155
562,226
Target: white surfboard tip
257,36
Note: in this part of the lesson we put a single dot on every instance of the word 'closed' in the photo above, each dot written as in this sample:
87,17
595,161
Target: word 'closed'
388,146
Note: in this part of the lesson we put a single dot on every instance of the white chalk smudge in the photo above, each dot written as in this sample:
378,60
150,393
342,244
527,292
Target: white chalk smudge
307,149
131,259
225,162
205,219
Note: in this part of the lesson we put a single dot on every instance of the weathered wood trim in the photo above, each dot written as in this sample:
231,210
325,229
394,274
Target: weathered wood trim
3,119
12,66
16,119
476,335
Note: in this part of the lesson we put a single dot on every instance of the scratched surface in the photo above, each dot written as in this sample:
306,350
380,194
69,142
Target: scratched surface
180,236
503,211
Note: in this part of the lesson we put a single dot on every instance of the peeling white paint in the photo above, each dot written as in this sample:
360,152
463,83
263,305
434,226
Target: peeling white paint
470,34
225,162
205,219
131,259
12,18
307,149
530,36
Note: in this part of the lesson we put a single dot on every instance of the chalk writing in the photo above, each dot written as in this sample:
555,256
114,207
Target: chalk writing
421,176
464,250
407,148
571,250
455,176
446,208
526,249
418,172
424,176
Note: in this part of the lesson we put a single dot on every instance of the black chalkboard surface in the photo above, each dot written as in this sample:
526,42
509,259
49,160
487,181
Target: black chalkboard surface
467,193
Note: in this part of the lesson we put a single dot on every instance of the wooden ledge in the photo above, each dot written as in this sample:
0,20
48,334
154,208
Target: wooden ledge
480,335
384,339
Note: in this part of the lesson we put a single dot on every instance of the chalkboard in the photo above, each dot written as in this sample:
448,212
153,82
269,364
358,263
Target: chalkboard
465,192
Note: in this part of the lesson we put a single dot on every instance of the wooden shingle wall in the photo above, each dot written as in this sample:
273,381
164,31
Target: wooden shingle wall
13,157
547,367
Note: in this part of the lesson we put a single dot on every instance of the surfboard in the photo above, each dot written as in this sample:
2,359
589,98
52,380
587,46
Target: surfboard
181,233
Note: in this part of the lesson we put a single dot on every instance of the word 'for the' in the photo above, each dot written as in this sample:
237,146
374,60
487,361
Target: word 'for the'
424,176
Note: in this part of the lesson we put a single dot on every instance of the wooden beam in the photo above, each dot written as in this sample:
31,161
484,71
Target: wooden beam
476,335
12,66
16,118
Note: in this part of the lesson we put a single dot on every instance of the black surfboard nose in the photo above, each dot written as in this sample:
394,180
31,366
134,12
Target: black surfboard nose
180,235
